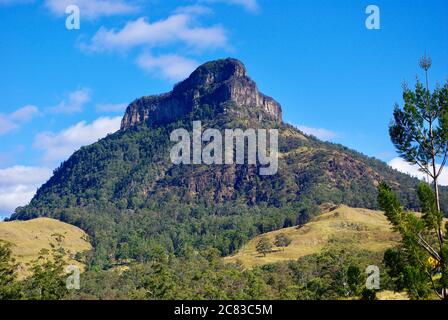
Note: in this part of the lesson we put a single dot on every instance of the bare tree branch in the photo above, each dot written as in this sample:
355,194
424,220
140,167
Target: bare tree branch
422,242
443,164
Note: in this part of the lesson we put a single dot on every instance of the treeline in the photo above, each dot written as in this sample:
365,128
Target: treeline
134,234
333,274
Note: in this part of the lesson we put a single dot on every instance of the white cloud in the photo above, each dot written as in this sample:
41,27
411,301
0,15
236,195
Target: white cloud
171,67
249,5
176,28
13,120
321,133
18,185
110,107
402,166
6,125
25,114
74,102
59,146
91,9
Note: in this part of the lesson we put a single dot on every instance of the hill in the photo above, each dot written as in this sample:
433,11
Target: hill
347,227
126,193
29,237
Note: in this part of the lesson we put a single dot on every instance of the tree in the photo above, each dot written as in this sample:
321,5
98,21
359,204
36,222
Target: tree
354,280
264,246
420,263
48,278
8,285
282,240
367,294
303,217
419,130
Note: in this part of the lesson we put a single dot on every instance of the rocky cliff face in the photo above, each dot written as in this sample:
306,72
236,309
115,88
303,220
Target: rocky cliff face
218,84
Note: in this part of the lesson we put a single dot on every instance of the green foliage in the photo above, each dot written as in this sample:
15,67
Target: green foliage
394,260
204,276
8,286
368,294
282,240
354,280
48,278
431,215
264,246
388,201
419,264
419,130
421,127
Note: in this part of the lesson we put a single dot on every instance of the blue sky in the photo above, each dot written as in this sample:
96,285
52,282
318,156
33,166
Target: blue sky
335,78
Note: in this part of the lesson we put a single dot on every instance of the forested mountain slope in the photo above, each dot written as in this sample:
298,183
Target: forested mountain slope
131,199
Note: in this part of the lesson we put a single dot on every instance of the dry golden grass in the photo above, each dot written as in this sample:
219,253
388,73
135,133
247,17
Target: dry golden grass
390,295
30,237
358,228
293,133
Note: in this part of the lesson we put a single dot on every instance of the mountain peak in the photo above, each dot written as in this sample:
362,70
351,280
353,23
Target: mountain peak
215,84
213,73
219,70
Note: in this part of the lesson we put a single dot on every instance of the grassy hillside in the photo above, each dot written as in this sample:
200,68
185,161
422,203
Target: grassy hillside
358,228
29,237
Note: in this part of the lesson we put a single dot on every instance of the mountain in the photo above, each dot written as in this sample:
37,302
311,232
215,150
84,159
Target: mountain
126,193
214,84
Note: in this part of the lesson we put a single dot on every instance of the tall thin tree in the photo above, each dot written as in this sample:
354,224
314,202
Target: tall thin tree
419,130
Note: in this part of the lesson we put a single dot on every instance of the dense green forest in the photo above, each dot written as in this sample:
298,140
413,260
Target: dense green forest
335,273
124,192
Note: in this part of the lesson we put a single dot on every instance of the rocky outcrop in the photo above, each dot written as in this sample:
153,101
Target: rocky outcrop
216,84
